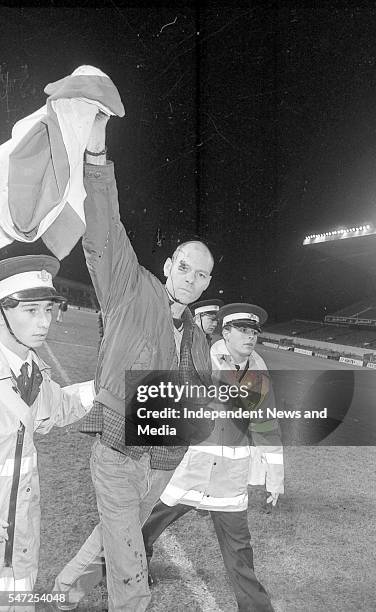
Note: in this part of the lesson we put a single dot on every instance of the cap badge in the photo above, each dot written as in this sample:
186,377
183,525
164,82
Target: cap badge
44,276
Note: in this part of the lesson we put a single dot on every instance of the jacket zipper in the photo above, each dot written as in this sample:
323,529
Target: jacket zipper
8,554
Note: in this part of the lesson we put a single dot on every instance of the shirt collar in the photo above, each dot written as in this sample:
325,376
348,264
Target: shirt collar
14,361
220,350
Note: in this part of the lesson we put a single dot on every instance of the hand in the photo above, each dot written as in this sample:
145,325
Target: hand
273,498
3,530
97,138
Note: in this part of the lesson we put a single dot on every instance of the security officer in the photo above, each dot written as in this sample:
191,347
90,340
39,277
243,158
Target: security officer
29,401
205,316
215,474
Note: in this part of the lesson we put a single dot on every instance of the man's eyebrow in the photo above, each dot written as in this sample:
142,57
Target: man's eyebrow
185,263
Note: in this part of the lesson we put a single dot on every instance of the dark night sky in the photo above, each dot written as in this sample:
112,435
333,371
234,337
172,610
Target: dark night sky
250,124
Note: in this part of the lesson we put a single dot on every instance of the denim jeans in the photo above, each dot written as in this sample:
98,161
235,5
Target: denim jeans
126,490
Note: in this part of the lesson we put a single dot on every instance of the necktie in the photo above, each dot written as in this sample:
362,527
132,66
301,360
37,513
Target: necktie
28,386
23,380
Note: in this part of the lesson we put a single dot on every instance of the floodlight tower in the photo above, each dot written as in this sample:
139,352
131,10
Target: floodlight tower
341,233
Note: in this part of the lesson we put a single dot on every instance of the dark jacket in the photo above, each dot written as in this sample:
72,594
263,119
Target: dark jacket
138,327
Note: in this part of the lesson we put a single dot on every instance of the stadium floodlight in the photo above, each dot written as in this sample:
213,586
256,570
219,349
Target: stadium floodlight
357,231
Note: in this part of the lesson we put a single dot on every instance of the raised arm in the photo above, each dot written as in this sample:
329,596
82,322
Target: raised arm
110,258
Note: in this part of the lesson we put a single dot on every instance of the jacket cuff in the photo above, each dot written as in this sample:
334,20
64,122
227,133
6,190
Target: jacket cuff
87,393
94,173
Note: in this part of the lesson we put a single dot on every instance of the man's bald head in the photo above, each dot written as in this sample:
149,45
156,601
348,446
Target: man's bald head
188,271
194,245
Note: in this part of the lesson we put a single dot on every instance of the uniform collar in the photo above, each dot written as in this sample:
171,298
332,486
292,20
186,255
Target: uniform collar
221,352
14,361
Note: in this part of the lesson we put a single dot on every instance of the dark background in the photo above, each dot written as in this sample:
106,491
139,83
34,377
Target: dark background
250,124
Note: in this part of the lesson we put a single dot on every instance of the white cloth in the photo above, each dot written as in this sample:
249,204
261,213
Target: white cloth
75,117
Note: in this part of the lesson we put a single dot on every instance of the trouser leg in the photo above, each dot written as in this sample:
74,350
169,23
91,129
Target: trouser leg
126,490
161,517
84,571
88,567
234,540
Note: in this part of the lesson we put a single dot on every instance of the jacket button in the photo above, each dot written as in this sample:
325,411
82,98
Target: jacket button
24,550
215,463
28,490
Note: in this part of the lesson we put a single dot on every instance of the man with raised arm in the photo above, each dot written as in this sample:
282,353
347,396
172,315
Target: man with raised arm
147,326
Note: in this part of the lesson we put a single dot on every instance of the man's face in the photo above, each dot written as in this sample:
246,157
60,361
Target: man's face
240,340
208,323
30,322
188,274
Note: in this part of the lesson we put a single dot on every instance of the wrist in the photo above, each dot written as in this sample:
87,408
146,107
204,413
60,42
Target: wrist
97,156
97,151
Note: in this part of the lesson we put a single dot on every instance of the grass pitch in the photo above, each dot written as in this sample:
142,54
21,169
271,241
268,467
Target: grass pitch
313,553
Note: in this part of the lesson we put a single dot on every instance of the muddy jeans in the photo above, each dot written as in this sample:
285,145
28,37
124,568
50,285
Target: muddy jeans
126,491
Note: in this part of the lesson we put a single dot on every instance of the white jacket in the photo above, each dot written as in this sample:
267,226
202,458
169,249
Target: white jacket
215,475
18,458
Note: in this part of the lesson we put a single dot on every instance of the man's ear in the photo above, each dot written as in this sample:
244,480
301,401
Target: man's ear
167,267
225,334
207,283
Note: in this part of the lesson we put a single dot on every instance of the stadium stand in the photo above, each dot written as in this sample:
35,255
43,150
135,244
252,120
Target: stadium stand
349,335
296,327
361,313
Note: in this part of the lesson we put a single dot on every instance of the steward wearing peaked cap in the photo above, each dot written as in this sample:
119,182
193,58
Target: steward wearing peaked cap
206,307
242,315
29,401
28,278
205,315
243,448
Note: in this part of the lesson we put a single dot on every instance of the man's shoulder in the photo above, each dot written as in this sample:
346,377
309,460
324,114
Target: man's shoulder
260,361
4,367
42,365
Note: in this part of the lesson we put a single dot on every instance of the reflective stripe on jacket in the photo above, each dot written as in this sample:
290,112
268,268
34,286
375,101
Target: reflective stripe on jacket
53,406
215,475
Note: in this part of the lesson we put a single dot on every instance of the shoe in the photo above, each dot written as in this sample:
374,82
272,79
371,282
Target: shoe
62,589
